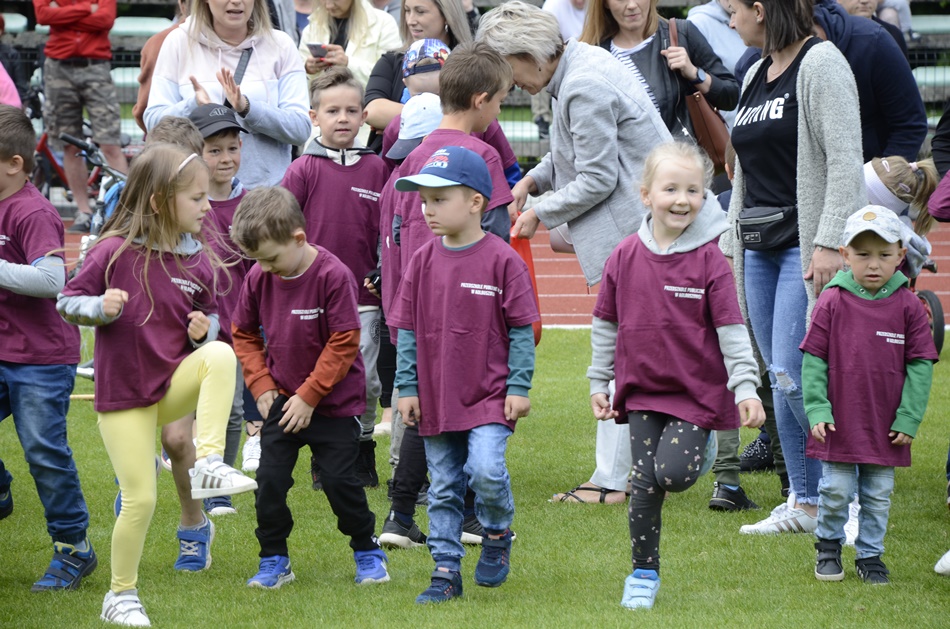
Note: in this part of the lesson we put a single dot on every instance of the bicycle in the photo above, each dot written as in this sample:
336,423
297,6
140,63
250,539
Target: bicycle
932,305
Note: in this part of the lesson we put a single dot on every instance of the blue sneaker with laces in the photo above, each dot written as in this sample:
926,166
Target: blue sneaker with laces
273,573
494,563
6,503
640,588
67,568
444,587
371,566
194,548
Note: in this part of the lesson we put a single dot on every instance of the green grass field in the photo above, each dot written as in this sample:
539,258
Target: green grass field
568,563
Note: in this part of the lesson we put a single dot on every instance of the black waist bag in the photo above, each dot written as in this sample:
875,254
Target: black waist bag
768,228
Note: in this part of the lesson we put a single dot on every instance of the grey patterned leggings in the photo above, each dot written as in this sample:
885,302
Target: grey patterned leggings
667,455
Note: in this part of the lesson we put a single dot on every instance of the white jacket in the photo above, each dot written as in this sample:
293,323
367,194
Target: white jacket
364,46
275,84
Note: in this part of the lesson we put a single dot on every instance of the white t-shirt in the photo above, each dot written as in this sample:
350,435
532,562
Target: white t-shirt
570,19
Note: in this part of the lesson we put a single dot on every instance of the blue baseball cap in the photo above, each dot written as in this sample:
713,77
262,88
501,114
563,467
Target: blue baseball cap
451,166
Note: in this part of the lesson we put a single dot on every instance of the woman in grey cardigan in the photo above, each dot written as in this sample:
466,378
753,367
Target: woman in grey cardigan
798,139
604,126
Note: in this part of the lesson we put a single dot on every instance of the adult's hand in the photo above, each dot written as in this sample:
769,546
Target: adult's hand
678,60
526,225
232,91
825,263
201,96
336,56
521,191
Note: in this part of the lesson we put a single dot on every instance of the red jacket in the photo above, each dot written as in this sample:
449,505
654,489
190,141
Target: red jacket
75,31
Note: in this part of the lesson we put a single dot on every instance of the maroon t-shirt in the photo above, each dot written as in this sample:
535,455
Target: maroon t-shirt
414,232
298,316
341,206
217,233
867,344
136,355
460,304
668,308
31,330
493,136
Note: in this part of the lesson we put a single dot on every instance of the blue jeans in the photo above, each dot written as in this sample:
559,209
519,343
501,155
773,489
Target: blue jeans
777,303
38,398
476,456
874,484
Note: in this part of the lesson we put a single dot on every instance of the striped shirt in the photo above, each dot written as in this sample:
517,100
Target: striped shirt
625,56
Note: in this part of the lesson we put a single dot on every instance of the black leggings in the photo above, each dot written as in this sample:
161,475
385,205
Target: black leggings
667,455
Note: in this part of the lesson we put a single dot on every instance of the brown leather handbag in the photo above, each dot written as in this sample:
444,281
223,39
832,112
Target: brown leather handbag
709,128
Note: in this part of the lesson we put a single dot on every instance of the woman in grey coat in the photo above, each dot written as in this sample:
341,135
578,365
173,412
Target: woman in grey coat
604,126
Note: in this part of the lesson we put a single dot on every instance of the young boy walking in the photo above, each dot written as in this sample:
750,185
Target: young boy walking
465,359
308,380
866,377
337,186
38,355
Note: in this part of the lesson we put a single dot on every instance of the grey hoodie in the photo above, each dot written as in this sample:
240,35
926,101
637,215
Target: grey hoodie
734,340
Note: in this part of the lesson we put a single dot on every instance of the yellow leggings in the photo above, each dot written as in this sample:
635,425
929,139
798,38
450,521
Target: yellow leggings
203,381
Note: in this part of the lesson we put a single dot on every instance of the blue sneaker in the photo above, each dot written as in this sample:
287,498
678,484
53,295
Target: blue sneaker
640,588
494,563
6,503
371,566
273,573
194,548
219,505
67,568
444,587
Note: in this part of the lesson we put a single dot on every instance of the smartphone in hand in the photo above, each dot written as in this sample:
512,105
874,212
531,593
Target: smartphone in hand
318,50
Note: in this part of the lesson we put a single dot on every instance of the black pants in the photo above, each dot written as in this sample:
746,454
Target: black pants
667,455
410,475
386,365
335,443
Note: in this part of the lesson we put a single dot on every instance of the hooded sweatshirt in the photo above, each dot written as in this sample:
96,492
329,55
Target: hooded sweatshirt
667,327
275,84
867,369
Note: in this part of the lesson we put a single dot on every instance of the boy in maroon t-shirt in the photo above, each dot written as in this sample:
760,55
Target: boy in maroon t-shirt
308,380
866,376
38,355
465,357
337,186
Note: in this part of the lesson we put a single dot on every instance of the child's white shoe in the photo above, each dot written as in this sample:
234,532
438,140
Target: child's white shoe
943,566
640,588
211,477
124,608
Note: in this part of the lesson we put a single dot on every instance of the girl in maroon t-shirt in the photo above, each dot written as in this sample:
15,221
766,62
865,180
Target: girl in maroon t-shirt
148,286
667,327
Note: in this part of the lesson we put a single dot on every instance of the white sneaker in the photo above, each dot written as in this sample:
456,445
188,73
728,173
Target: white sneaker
851,526
383,429
211,477
251,454
124,608
783,519
943,566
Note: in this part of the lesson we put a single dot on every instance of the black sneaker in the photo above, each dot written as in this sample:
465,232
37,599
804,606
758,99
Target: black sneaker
725,499
786,486
828,562
396,535
472,530
366,464
6,503
756,457
445,586
872,570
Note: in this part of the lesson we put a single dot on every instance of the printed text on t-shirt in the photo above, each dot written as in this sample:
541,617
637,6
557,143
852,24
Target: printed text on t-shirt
772,109
307,314
685,292
186,285
891,337
482,289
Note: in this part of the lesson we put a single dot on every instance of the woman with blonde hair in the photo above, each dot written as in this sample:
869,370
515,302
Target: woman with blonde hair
227,52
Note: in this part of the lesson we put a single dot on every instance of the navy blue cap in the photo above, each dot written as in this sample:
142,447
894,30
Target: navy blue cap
451,166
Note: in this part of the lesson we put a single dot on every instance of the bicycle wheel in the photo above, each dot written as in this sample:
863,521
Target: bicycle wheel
935,315
41,174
